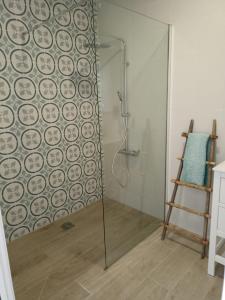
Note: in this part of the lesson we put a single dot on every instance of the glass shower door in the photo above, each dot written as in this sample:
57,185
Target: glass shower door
133,62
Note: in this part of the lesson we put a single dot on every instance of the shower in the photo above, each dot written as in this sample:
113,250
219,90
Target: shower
90,197
122,96
123,148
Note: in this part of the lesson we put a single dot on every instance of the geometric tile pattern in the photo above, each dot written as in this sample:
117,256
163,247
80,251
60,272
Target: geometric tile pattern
49,125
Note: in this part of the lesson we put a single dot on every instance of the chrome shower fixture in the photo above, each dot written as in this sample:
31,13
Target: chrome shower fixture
121,99
119,96
97,46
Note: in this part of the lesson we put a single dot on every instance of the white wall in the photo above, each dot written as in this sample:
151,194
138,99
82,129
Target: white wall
147,54
198,77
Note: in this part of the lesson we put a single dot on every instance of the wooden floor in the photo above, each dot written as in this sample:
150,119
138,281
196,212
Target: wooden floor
125,227
69,265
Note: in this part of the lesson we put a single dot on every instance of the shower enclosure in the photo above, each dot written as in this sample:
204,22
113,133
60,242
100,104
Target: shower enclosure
83,115
132,52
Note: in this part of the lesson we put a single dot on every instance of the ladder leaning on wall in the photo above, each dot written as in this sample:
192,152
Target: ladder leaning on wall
204,188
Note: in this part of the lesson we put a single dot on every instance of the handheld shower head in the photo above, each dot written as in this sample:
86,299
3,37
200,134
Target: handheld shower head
120,96
123,111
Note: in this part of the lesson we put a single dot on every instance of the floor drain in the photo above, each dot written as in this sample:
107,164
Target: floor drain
67,225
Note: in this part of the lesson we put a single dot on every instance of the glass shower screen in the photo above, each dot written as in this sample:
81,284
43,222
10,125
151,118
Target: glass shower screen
133,69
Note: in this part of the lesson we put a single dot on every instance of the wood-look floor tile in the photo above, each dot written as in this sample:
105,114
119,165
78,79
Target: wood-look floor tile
195,284
174,266
215,291
57,290
116,286
54,264
149,290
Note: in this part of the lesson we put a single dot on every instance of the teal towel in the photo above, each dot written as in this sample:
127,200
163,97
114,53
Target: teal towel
208,159
195,156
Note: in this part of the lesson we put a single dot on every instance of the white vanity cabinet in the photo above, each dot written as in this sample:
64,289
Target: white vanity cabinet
217,231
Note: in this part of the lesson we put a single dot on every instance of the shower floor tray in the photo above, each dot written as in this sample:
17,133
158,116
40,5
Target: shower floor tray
48,263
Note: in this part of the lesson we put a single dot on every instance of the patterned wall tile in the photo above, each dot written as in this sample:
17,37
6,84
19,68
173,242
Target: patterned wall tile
49,124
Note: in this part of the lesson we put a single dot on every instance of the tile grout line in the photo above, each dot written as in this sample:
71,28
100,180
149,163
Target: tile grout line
83,287
153,269
43,288
182,276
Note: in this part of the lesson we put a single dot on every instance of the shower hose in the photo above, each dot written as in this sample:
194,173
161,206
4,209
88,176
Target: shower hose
120,147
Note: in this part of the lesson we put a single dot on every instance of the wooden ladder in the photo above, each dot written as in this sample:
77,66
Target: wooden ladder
206,188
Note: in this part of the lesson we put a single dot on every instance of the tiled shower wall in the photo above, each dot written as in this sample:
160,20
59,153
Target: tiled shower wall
49,142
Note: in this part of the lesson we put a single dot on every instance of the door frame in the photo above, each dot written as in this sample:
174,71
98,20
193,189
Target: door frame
6,284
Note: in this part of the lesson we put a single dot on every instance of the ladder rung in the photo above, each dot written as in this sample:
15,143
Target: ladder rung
191,185
211,136
183,232
211,163
187,209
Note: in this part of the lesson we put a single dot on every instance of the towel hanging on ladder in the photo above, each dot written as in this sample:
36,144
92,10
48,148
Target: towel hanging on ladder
195,156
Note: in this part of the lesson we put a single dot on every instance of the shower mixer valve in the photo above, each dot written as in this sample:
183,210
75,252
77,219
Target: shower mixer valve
129,152
125,115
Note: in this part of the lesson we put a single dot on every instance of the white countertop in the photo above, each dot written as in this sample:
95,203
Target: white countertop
220,167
